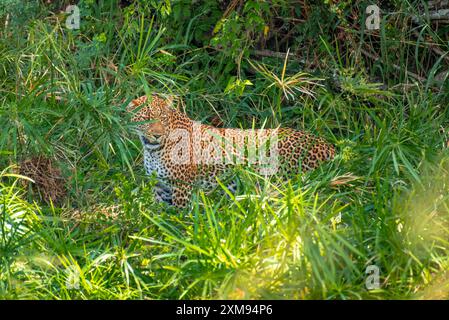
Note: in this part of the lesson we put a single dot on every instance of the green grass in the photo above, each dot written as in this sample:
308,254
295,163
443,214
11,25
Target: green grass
383,201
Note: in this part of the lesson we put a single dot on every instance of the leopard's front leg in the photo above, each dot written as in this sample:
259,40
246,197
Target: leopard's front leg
182,193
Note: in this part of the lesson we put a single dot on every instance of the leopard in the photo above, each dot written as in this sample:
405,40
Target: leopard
183,153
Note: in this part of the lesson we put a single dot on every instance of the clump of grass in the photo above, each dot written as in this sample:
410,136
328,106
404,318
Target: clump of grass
380,203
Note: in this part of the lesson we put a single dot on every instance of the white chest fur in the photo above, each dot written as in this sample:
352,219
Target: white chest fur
154,163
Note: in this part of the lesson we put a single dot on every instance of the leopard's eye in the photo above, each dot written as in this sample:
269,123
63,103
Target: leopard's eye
151,113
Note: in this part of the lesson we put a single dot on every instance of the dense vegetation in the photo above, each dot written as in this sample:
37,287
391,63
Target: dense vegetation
77,215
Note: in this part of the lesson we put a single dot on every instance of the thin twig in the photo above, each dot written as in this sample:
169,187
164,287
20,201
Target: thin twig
439,15
274,54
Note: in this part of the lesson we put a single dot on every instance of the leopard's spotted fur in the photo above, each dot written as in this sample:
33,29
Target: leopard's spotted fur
172,141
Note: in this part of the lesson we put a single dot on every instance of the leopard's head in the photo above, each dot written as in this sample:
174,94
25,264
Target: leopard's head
152,116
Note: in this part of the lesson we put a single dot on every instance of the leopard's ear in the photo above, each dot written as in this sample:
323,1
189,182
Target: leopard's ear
175,102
